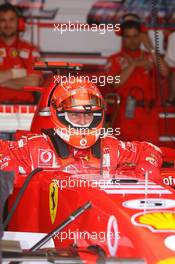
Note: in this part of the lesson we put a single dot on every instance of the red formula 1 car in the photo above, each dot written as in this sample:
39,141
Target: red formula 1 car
92,219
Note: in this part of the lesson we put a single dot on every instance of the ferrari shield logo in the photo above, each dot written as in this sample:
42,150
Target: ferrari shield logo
13,53
53,201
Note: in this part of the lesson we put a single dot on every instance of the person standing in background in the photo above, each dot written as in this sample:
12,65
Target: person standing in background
137,87
17,58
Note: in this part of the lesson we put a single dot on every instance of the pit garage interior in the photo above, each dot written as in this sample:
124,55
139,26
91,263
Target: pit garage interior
50,215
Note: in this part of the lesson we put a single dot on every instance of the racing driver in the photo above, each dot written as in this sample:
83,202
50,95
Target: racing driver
75,144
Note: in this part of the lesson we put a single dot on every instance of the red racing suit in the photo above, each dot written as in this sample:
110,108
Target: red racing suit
35,151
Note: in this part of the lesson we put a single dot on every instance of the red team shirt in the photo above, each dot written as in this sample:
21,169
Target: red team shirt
142,86
141,83
20,54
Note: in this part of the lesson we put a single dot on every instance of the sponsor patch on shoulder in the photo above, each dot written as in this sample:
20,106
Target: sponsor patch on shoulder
24,53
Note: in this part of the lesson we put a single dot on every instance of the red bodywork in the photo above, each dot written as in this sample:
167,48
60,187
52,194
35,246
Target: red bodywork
138,230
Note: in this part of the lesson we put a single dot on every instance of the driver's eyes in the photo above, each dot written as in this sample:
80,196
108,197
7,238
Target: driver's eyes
77,115
74,115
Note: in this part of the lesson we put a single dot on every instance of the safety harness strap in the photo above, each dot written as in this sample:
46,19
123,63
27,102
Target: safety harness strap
60,146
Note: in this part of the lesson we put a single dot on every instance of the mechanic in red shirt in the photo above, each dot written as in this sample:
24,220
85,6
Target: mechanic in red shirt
17,58
76,143
137,87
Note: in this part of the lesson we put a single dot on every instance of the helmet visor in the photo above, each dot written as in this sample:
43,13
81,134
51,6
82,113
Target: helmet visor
82,102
